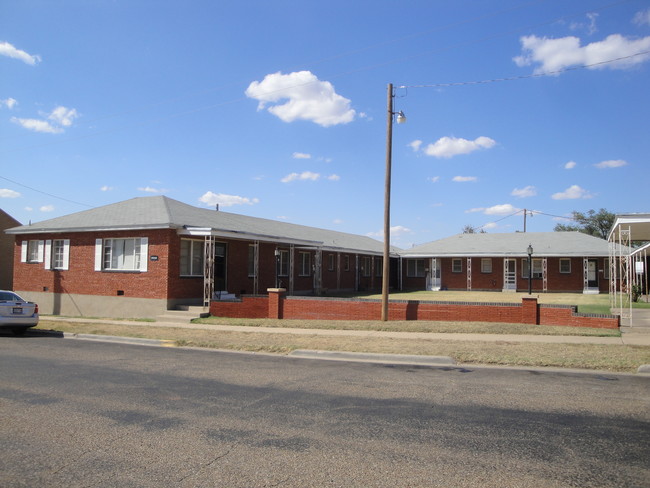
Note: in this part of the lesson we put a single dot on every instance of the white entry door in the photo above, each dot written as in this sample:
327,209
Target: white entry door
509,275
434,283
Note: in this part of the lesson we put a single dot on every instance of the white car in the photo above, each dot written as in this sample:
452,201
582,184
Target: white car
17,314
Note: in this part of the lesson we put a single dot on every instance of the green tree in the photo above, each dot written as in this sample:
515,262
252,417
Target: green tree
470,229
597,224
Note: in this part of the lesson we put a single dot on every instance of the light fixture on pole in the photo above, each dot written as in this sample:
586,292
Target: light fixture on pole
401,118
530,269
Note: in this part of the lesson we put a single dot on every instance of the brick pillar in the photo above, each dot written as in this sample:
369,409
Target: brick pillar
529,310
276,300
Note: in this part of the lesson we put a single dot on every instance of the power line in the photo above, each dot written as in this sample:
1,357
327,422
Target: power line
523,77
46,193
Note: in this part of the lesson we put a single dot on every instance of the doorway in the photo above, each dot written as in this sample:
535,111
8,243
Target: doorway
509,274
220,254
592,273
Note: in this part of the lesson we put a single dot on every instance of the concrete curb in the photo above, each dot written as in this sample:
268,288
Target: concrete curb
120,340
644,369
373,358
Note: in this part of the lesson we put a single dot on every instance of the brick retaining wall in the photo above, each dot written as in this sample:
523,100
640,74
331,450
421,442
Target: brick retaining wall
278,306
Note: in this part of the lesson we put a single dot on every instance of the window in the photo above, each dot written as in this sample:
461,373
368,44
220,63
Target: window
305,264
606,271
565,265
60,254
346,263
456,265
252,258
284,263
192,257
366,267
379,268
486,265
415,268
124,254
32,251
537,268
330,262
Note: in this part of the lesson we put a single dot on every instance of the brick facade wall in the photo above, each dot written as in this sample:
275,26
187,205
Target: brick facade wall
493,281
528,312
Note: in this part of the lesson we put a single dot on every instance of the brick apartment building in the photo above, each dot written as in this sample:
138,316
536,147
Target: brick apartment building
560,262
140,257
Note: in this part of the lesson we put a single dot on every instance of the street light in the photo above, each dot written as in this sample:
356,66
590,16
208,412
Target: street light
530,269
401,118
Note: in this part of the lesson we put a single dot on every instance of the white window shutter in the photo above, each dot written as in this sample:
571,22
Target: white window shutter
41,251
48,254
23,251
66,253
144,253
98,254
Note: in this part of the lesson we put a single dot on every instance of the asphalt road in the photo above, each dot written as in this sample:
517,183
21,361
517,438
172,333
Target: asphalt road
84,414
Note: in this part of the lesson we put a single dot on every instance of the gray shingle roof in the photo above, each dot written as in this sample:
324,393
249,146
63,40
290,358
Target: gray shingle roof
513,244
161,212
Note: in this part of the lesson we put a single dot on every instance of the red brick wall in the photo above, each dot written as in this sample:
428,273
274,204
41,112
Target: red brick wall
556,281
529,312
81,278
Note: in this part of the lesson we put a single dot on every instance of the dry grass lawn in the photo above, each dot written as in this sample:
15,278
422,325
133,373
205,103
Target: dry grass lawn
619,358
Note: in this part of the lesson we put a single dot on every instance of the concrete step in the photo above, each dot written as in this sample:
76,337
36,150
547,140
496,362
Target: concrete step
183,316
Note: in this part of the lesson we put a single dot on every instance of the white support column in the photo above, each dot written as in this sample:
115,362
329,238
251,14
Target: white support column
208,269
292,260
545,274
469,274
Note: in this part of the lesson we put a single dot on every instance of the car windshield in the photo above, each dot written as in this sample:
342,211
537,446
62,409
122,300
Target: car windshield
7,296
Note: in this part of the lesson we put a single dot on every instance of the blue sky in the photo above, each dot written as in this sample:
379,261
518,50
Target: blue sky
277,109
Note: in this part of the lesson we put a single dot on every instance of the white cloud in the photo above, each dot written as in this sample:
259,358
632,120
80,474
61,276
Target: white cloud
9,103
304,176
59,118
299,155
106,188
63,116
10,51
7,193
642,17
503,209
149,189
212,199
557,54
489,225
447,147
433,179
415,145
612,163
572,193
464,179
528,191
37,125
395,231
337,221
570,165
305,97
47,208
590,27
334,177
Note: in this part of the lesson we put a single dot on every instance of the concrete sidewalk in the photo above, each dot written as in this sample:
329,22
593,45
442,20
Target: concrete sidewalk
635,336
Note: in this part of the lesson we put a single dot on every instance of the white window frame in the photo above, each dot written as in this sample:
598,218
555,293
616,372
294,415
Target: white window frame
456,265
330,262
32,251
486,265
304,259
564,260
104,254
284,262
192,262
415,268
538,268
57,254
